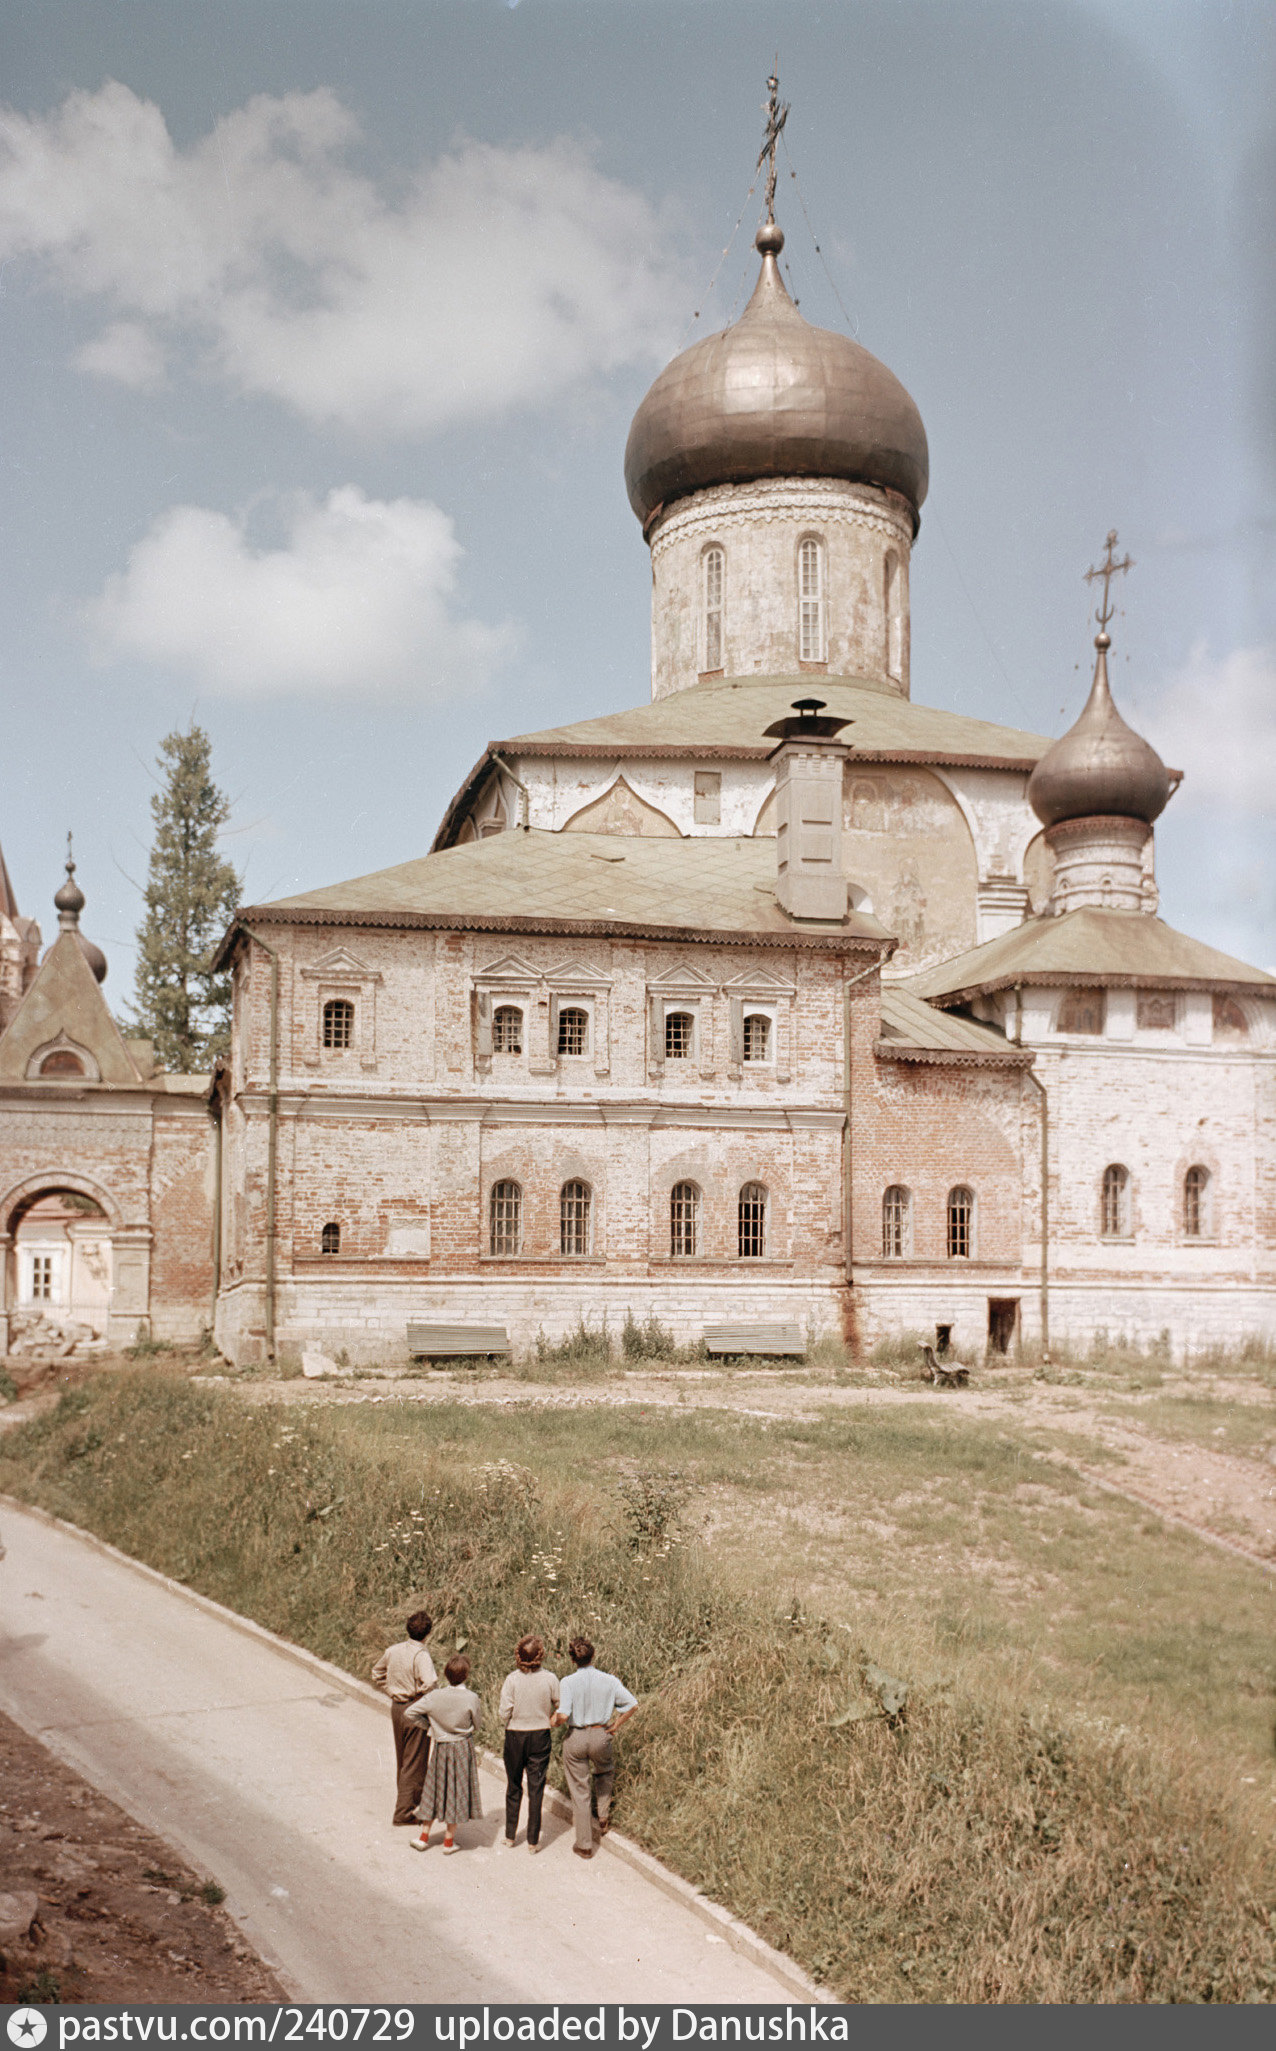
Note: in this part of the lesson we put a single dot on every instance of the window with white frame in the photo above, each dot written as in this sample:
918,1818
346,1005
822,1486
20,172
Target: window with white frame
505,1218
896,1223
961,1223
507,1029
811,600
575,1210
42,1277
1196,1190
752,1221
714,571
757,1040
573,1029
1114,1202
684,1220
680,1035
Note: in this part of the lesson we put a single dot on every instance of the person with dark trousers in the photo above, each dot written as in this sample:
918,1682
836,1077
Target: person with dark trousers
405,1672
595,1704
529,1698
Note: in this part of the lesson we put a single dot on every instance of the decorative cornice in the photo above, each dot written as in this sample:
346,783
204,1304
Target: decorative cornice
725,506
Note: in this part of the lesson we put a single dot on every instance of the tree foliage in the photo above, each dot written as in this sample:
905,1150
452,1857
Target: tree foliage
191,892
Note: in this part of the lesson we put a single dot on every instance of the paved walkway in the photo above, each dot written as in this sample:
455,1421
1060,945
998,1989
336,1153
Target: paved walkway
276,1781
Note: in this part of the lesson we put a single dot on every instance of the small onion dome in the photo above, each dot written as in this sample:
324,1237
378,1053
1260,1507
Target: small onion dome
69,899
1100,768
774,397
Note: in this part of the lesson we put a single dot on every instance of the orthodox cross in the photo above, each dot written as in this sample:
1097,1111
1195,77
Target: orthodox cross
1108,569
776,116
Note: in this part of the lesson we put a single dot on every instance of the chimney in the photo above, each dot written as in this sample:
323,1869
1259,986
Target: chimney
811,882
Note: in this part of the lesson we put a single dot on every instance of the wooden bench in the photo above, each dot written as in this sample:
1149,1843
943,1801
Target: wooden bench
772,1342
457,1342
948,1374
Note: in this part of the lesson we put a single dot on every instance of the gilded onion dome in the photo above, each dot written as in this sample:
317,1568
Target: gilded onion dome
1100,767
773,396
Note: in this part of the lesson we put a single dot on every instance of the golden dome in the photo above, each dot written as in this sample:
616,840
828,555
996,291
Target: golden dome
774,397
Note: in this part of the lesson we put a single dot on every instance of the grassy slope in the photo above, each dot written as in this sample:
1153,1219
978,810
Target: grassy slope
1009,1842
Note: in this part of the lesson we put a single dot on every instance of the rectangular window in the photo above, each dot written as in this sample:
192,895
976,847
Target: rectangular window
679,1035
708,798
42,1277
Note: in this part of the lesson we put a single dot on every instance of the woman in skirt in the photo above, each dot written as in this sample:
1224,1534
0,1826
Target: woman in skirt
451,1791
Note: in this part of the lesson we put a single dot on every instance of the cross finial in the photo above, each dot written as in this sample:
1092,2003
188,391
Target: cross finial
776,116
70,858
1108,569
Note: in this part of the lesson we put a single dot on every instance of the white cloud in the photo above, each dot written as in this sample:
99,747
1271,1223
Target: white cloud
1217,722
125,352
358,603
493,277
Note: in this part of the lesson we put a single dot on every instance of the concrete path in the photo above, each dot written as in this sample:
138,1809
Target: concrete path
275,1779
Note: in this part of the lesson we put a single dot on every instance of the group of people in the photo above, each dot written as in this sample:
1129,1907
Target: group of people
435,1726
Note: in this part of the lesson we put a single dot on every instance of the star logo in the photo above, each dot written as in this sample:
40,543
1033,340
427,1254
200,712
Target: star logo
27,2026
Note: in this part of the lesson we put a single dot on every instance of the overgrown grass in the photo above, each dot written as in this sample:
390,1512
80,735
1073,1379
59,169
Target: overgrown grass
984,1849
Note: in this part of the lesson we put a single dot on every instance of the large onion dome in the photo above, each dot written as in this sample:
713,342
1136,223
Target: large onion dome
69,900
1100,767
774,397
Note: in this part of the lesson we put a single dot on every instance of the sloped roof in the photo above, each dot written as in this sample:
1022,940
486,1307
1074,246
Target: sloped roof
8,902
711,889
1123,949
726,719
913,1031
65,998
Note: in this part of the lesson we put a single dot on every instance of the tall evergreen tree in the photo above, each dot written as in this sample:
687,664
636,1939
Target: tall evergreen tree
191,891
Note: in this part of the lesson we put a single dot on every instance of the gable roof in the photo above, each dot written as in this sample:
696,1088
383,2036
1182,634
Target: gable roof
726,719
580,883
1121,949
65,998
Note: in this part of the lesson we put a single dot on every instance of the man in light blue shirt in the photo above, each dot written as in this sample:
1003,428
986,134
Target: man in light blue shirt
595,1705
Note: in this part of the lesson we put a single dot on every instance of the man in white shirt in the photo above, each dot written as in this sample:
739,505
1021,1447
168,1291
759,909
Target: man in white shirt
405,1672
595,1705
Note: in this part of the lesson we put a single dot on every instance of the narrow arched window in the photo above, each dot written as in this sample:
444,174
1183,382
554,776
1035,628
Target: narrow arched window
338,1023
752,1221
757,1036
684,1220
892,598
330,1239
714,571
896,1223
507,1029
680,1029
811,601
573,1030
961,1223
1196,1184
574,1213
1114,1202
506,1218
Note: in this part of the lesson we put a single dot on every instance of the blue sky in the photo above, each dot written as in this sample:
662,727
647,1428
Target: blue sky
323,325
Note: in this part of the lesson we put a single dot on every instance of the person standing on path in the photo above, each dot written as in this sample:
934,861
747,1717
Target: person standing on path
405,1672
451,1788
595,1704
529,1698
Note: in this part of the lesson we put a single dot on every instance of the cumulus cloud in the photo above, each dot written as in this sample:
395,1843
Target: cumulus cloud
1217,722
358,602
491,278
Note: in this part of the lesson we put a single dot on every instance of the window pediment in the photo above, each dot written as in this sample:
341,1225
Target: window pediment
339,966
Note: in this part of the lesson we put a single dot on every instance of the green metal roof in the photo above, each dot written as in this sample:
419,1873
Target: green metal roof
1090,945
708,888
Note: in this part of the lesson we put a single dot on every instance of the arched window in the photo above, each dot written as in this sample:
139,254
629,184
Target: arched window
757,1036
752,1221
330,1239
893,582
61,1062
1114,1203
1082,1011
338,1023
573,1030
574,1212
1196,1185
897,1221
715,566
961,1223
684,1220
811,601
680,1031
506,1218
507,1029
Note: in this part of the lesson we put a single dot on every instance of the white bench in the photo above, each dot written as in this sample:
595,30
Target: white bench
457,1342
773,1342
